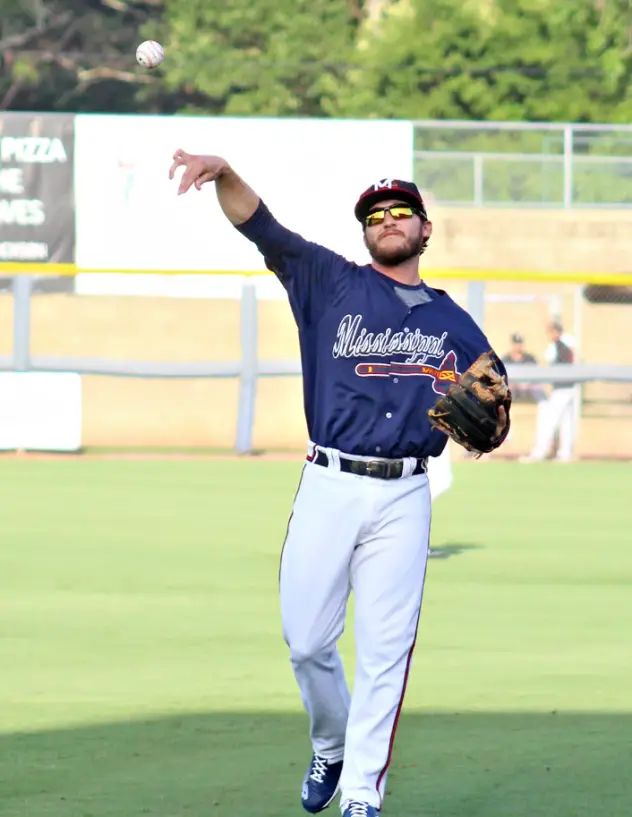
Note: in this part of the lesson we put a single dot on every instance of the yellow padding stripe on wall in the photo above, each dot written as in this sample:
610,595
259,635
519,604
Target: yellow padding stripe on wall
605,278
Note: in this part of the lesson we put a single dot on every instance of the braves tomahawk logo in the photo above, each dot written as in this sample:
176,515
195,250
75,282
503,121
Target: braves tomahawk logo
353,341
443,376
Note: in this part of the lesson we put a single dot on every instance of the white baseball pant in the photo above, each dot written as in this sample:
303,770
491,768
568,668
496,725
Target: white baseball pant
557,412
369,535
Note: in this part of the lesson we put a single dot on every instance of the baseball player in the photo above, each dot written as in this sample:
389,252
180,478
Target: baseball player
557,412
391,368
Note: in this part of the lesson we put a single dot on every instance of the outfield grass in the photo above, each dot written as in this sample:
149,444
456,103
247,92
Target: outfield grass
142,669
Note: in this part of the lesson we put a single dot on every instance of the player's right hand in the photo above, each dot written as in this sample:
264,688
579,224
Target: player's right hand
198,169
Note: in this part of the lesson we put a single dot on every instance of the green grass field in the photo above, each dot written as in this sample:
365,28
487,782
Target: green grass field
143,672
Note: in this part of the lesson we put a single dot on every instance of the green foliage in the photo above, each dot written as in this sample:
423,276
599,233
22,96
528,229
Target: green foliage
68,55
538,60
269,58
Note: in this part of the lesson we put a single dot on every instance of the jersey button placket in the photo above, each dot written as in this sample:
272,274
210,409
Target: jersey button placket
396,379
393,366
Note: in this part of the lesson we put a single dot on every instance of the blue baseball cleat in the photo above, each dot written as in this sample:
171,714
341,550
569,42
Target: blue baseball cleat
356,808
320,785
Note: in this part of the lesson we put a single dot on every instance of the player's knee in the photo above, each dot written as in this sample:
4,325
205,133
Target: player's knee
306,649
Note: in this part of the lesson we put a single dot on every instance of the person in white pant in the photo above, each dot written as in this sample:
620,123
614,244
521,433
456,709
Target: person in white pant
378,348
557,412
440,474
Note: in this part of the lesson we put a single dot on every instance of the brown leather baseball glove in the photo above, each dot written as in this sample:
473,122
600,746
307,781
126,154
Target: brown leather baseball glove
469,412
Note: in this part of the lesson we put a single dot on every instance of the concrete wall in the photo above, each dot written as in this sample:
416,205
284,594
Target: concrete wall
550,240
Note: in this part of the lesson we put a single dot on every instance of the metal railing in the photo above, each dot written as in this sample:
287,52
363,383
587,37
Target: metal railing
524,164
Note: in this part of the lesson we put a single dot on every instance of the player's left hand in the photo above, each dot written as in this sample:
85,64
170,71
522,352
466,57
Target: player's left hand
502,422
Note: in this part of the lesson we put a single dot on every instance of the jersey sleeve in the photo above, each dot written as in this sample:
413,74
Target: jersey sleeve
308,272
472,342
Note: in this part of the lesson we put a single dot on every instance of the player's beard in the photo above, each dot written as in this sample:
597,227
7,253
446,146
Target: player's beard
393,256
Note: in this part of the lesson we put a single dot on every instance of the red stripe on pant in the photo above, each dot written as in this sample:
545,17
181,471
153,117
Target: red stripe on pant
398,713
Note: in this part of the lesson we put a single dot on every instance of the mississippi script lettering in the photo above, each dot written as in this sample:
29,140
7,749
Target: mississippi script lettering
354,341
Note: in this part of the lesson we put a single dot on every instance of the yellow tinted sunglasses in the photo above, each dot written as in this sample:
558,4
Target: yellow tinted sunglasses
397,212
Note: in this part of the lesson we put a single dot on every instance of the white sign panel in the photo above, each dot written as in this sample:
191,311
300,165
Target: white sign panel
309,172
40,411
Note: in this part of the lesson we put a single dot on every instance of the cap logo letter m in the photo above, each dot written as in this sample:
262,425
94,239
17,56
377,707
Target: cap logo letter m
383,183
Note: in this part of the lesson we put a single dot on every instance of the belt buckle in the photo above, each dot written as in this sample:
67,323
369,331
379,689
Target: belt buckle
375,468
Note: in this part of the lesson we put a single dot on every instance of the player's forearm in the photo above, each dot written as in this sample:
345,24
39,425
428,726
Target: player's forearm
236,198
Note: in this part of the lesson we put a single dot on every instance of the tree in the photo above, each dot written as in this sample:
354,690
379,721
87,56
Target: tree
73,55
269,58
505,60
462,59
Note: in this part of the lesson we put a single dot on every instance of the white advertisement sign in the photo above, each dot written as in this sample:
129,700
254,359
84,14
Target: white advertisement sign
309,173
40,411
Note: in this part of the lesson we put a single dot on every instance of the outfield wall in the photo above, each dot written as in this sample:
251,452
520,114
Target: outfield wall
132,411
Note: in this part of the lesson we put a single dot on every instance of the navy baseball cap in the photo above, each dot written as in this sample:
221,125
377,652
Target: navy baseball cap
389,189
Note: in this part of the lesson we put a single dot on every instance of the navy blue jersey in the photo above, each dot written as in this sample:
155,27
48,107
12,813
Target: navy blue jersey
375,354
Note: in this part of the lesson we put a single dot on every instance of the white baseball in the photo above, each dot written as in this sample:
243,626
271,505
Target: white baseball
150,54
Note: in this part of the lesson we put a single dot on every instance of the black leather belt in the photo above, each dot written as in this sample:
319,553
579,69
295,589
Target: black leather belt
380,469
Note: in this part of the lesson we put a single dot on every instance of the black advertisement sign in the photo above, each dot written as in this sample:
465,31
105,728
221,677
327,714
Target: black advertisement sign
37,206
